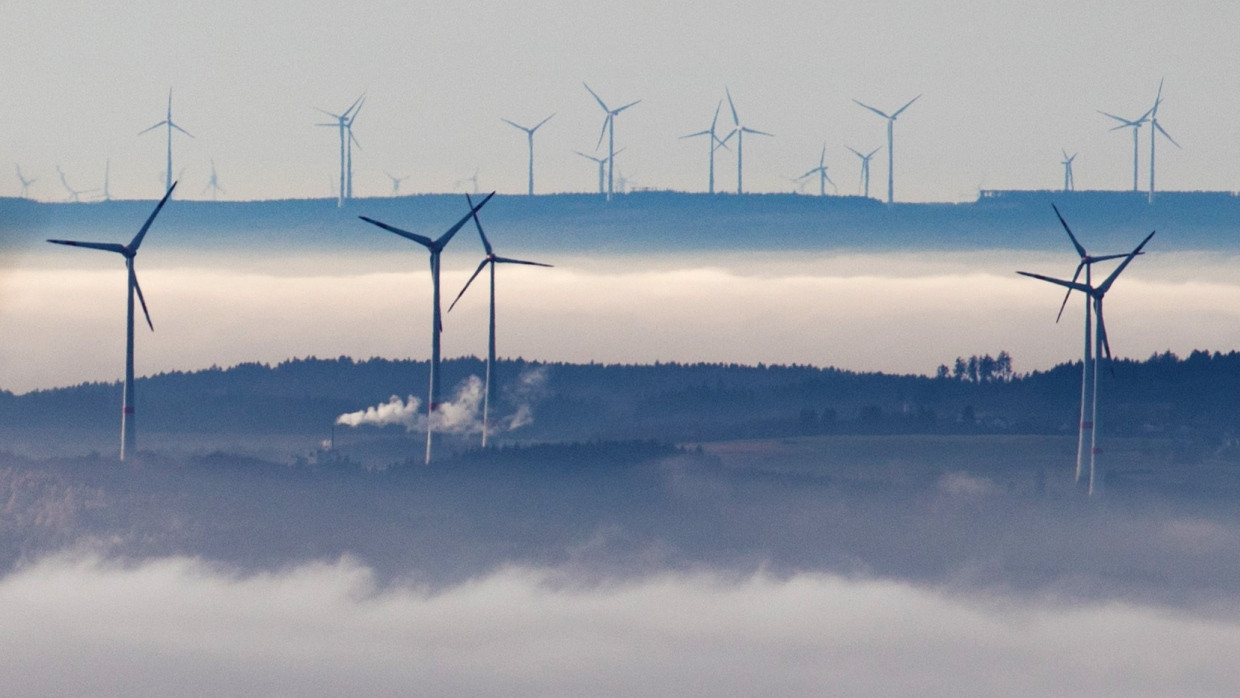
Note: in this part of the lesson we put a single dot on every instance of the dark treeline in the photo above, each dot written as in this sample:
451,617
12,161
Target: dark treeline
1196,398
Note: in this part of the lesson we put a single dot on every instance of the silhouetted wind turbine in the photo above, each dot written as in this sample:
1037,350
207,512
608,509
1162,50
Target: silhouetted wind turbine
75,195
1155,129
1135,125
529,132
740,132
213,184
490,260
473,180
1069,184
435,247
609,130
1101,344
128,435
865,169
891,120
170,125
821,170
344,123
602,168
715,143
396,182
25,182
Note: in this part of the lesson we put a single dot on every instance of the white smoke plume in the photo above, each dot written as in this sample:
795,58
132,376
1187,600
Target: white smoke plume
394,411
530,387
458,416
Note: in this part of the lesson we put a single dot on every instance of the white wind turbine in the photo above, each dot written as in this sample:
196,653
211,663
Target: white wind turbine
609,130
865,169
1135,125
1101,345
602,168
821,171
396,182
1155,129
490,260
344,124
435,247
128,435
891,121
213,184
1069,184
529,132
25,182
715,143
740,132
170,125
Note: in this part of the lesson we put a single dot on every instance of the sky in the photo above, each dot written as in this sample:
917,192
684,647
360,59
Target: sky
1005,87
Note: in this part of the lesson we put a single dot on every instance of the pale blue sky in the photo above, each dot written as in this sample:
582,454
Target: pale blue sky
1006,85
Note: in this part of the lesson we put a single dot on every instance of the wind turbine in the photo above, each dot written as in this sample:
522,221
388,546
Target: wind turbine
1101,345
740,132
396,182
170,124
1069,184
715,143
344,123
213,184
609,130
473,180
821,170
1155,129
865,169
25,182
529,132
128,435
490,260
1135,125
891,121
602,165
75,195
435,247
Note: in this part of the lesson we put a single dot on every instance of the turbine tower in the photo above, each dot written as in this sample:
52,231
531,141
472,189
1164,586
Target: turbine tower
129,439
602,168
865,169
715,144
1101,345
1135,125
1069,184
25,182
891,121
435,247
213,184
170,125
609,130
740,132
529,132
821,170
344,123
490,260
1155,129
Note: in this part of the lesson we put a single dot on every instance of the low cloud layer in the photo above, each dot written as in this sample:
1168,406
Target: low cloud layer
83,626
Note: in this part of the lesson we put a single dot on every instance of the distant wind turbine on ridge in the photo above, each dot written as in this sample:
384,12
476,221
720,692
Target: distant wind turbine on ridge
1155,129
715,144
740,132
344,124
129,439
1135,125
609,130
170,125
490,260
25,182
75,195
396,182
529,132
435,247
213,184
1101,346
891,121
821,171
602,168
865,169
1069,184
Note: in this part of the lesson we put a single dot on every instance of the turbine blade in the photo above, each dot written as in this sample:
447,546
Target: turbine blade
477,271
597,98
152,128
1079,249
906,106
1102,328
540,123
138,287
509,260
420,239
1106,285
715,120
1075,276
137,239
486,244
1163,131
473,210
736,120
174,125
511,123
617,111
356,102
876,111
1068,284
337,117
105,246
1124,122
746,129
603,131
699,133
